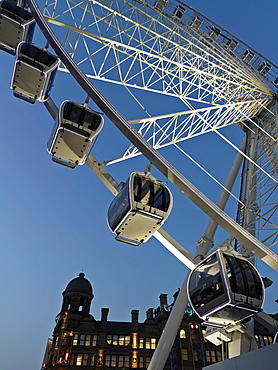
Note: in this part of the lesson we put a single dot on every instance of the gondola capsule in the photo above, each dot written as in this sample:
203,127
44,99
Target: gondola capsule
140,209
75,131
16,25
225,288
34,73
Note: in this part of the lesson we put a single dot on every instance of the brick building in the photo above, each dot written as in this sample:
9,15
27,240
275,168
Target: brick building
81,342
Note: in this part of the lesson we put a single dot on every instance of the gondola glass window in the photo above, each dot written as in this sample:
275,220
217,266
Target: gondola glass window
17,25
225,288
206,285
140,208
34,73
243,278
81,116
75,131
119,208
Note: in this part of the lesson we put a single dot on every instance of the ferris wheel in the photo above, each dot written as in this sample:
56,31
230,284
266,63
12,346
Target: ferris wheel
182,78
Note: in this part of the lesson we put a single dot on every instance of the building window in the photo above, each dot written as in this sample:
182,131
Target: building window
107,360
115,340
195,354
75,340
88,340
204,334
182,334
141,342
219,356
148,360
117,361
121,340
118,340
93,362
184,353
113,362
194,326
72,358
109,339
79,360
148,343
127,361
211,356
141,362
121,361
82,340
263,340
85,359
82,359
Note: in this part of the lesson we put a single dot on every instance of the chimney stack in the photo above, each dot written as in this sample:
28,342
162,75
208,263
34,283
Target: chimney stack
134,320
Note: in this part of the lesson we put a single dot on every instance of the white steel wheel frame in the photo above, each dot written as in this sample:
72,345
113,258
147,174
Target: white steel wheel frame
211,79
264,110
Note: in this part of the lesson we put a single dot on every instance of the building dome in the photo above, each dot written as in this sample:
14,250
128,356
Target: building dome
79,284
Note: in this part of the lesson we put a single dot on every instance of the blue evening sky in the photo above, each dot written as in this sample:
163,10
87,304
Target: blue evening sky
53,220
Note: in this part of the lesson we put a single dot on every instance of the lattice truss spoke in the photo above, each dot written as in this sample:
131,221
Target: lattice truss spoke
135,45
157,50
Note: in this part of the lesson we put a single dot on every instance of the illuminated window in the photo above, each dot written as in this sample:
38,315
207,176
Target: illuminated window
121,340
94,340
57,342
141,362
150,343
118,340
141,342
127,340
213,357
113,362
82,359
107,360
208,356
153,343
182,334
127,361
79,360
117,361
75,339
204,333
184,353
194,326
92,362
148,360
88,340
263,340
121,361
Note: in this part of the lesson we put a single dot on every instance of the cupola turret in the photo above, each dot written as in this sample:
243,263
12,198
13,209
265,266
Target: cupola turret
77,296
